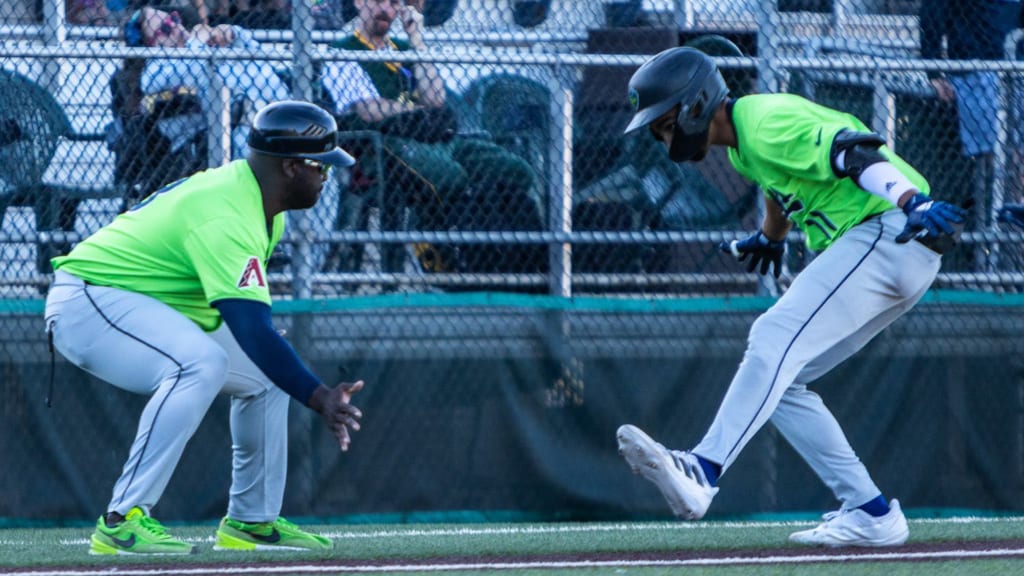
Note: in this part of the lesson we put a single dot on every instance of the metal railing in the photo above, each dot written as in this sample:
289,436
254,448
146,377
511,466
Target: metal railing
564,70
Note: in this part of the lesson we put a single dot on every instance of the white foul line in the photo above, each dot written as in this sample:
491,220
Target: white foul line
623,527
440,567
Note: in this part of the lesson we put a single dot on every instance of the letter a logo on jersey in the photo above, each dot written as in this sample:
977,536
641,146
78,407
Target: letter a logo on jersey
252,275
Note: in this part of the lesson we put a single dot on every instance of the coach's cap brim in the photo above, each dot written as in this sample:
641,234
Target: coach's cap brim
336,157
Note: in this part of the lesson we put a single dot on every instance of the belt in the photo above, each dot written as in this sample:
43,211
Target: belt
938,244
870,217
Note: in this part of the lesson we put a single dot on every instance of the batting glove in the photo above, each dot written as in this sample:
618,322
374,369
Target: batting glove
760,249
927,217
1012,214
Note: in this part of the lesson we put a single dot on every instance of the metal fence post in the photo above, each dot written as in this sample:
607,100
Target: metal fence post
218,117
767,81
302,255
302,89
560,191
54,34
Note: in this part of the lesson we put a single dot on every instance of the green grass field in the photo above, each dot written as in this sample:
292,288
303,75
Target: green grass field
938,546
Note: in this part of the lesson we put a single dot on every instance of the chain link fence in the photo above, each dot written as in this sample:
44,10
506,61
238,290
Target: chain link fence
515,175
491,159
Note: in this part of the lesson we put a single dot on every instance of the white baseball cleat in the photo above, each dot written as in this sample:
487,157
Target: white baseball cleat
857,528
677,475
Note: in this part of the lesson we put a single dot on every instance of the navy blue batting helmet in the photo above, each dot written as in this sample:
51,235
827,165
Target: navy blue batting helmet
296,129
678,76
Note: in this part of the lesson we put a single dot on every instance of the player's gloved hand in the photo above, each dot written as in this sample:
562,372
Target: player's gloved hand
334,404
759,249
1012,214
929,217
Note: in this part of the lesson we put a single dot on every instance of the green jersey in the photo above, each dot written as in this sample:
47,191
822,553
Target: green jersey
392,80
784,143
193,242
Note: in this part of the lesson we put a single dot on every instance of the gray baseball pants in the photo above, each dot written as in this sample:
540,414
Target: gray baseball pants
141,345
848,294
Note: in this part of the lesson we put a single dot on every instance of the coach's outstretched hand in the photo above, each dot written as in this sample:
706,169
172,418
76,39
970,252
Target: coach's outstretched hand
929,217
759,249
1012,214
334,405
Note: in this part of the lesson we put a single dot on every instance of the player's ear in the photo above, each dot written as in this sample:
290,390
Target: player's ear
290,167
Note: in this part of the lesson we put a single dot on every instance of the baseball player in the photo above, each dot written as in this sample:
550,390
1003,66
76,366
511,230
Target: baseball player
878,239
171,300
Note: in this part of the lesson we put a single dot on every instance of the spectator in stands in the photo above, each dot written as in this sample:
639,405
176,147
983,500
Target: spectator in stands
108,12
252,14
426,167
973,30
89,12
252,83
192,12
328,14
146,158
976,30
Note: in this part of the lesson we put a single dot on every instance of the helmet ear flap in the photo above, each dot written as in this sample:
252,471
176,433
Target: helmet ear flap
693,123
688,147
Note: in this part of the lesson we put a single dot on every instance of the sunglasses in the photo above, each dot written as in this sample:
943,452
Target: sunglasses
317,165
168,26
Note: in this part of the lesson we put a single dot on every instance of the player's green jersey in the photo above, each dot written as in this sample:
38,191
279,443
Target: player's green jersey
784,144
193,242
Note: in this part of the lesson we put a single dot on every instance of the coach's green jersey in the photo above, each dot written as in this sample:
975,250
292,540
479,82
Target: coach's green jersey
784,142
194,242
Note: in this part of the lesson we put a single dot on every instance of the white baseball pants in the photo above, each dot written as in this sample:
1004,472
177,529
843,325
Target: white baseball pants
141,345
848,294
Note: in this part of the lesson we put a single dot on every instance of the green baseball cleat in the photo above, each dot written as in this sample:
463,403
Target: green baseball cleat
136,534
277,535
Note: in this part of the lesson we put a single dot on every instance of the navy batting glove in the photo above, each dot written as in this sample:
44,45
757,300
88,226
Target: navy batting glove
760,249
929,217
1012,214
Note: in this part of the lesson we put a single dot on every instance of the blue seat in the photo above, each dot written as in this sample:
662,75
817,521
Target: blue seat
32,125
515,110
366,187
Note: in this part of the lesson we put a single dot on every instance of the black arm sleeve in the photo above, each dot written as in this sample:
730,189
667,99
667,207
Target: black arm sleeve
861,151
251,326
